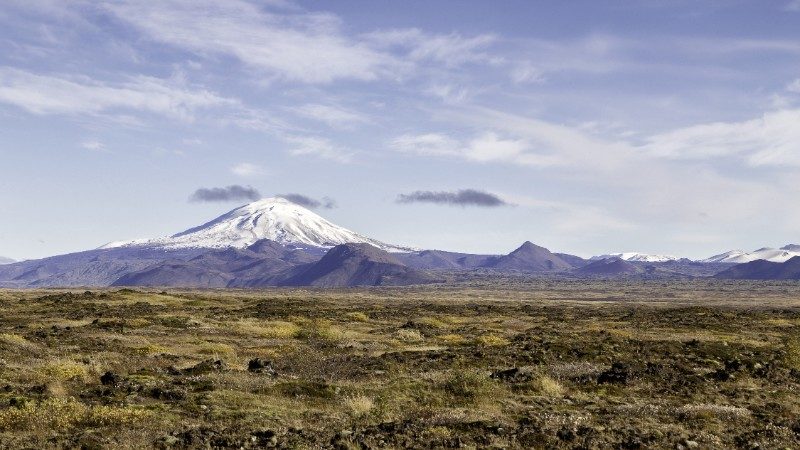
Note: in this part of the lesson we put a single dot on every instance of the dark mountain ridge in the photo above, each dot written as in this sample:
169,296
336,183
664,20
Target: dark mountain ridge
529,257
763,270
357,265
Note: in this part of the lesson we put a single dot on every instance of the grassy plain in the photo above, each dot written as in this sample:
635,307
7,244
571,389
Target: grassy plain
506,363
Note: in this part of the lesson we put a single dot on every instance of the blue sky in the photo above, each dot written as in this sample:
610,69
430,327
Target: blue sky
654,126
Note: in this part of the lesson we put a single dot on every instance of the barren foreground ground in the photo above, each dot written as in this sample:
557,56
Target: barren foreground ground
511,364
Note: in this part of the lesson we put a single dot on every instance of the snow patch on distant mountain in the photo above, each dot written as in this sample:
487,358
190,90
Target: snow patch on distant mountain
275,218
4,260
635,256
780,255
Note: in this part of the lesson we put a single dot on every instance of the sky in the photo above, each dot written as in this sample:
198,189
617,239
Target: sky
588,127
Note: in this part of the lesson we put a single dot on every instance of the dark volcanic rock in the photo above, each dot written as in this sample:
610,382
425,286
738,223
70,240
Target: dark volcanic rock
207,366
513,375
617,374
110,379
258,365
357,265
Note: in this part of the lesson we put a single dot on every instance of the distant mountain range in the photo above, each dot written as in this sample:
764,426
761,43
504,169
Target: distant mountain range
4,260
634,256
274,242
764,270
780,255
610,267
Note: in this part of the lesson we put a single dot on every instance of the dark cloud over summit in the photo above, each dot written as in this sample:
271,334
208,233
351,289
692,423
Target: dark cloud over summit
463,197
225,194
308,202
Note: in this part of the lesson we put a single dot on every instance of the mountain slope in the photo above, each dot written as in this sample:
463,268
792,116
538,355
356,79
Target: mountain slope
4,260
529,258
175,274
264,263
89,268
439,259
275,219
763,270
769,254
574,261
357,265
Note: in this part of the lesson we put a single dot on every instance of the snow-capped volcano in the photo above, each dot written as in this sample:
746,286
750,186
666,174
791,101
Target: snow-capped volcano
634,256
780,255
274,218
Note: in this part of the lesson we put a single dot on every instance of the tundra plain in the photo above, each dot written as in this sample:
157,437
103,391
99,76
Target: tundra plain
482,363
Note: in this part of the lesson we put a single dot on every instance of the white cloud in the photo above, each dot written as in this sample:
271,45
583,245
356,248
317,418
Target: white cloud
246,169
453,49
490,147
432,144
333,116
318,147
93,145
450,50
771,140
632,185
534,142
449,93
527,73
45,94
305,47
486,147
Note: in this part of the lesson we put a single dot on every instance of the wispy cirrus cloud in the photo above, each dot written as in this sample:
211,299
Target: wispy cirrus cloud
293,45
770,140
94,145
527,73
462,197
333,116
318,147
483,148
74,95
247,169
450,50
225,194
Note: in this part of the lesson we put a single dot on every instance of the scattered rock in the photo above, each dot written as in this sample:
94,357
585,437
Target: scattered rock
617,374
18,402
110,379
167,394
265,438
207,366
342,440
514,375
264,366
170,441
